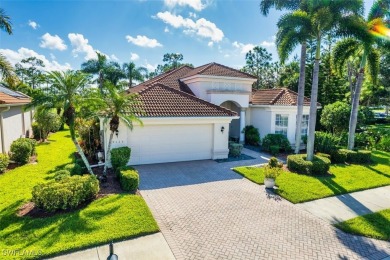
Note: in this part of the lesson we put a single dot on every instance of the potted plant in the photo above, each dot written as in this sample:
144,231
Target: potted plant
270,175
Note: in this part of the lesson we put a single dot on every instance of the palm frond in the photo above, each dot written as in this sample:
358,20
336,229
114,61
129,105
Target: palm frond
342,51
266,5
379,9
5,22
373,61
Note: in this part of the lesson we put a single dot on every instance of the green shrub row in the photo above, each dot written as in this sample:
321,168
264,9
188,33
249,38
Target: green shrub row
120,157
235,149
277,141
61,174
21,150
64,194
73,169
297,163
4,161
128,178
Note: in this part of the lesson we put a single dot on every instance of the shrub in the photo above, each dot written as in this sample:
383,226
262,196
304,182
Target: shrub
274,163
276,140
339,156
61,174
4,161
325,142
298,163
67,193
252,135
235,149
33,144
358,157
74,169
274,149
81,163
45,122
324,155
384,144
120,157
272,172
21,151
128,178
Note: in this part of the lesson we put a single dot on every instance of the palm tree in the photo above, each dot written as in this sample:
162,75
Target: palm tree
113,73
5,22
96,66
324,16
7,72
116,107
67,86
364,44
133,73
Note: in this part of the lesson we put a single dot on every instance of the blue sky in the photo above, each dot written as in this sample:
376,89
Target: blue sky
66,33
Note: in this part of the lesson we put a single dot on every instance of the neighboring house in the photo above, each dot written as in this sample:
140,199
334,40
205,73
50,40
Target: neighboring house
191,113
14,121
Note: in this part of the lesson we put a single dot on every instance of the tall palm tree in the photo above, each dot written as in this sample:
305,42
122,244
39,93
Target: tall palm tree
324,16
364,44
5,22
133,73
7,72
116,107
68,85
96,67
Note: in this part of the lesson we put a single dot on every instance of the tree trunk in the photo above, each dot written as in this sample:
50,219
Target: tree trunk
355,104
300,99
79,150
313,104
101,81
108,154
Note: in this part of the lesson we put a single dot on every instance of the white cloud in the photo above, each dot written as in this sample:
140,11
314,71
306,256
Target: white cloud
226,55
210,44
33,24
24,53
244,48
53,42
197,5
150,67
134,56
193,15
81,45
267,44
200,27
166,29
52,56
143,41
113,57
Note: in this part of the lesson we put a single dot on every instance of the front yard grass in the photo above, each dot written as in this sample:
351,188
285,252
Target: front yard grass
114,217
375,225
299,188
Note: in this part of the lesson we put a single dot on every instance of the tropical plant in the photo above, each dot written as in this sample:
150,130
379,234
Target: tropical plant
116,107
96,66
133,73
365,43
5,22
68,85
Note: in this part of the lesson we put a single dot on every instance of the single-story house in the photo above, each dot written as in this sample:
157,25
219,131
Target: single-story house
191,113
15,122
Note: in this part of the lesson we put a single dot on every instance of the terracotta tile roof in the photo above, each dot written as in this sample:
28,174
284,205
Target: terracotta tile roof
8,96
277,96
162,101
215,69
170,79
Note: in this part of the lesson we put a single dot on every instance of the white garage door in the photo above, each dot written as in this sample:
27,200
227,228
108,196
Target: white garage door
170,143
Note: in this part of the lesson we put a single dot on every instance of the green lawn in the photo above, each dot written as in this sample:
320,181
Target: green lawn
114,217
345,178
375,225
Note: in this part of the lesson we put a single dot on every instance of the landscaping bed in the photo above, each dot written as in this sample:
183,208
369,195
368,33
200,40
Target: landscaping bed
375,225
109,217
344,178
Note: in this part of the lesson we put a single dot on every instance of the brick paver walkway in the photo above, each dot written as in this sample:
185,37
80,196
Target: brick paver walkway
206,211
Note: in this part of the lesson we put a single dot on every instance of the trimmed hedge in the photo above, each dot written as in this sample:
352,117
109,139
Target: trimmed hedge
358,157
276,140
325,142
128,178
274,163
21,150
235,149
297,163
324,155
61,174
4,161
67,193
339,156
120,157
252,135
74,169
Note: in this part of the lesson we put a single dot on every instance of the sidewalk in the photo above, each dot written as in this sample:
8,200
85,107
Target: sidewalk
343,207
142,248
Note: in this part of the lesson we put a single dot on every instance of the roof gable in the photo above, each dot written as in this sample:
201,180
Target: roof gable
8,96
216,69
159,100
279,96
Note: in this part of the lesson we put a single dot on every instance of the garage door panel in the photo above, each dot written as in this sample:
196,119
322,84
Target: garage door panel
170,143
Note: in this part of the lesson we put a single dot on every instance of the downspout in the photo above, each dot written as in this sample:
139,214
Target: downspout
2,109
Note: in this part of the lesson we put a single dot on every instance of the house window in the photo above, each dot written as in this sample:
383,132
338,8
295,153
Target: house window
281,124
305,125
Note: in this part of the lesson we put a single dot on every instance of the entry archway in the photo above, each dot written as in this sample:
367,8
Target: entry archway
234,127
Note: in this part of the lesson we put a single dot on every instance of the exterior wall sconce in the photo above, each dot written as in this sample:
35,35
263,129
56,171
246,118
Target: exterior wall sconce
222,129
116,133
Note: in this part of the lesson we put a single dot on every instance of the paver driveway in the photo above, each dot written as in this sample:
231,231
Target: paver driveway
206,211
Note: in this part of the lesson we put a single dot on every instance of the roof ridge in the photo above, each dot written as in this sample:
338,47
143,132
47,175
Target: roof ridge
273,101
190,96
234,69
206,66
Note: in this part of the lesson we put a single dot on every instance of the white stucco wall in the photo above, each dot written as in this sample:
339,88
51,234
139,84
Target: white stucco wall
173,139
12,126
263,118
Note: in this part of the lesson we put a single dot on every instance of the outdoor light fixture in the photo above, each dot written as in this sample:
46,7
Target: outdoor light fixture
116,133
222,129
100,157
112,256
